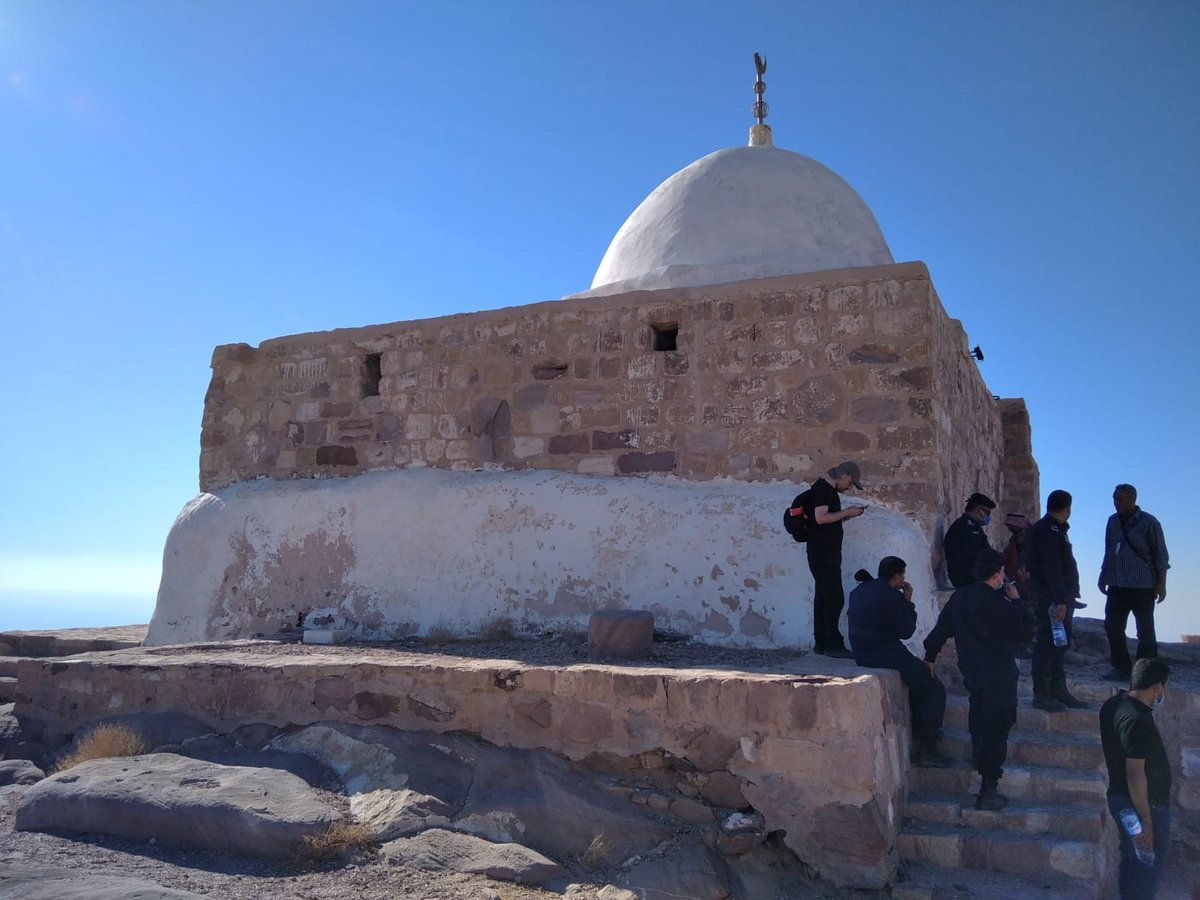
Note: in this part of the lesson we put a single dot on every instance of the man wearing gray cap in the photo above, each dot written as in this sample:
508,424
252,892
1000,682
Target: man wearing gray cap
823,508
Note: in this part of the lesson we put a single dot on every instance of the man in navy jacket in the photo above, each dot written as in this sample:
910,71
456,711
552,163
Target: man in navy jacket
1054,583
881,616
987,621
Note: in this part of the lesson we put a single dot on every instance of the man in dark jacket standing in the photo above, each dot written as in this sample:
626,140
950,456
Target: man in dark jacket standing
1054,583
882,615
987,621
965,539
823,507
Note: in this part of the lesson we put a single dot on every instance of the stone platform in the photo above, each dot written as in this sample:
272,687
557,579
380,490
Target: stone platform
820,750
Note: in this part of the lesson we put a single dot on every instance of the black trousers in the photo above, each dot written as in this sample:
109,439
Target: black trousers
1047,664
825,563
926,694
990,717
1122,602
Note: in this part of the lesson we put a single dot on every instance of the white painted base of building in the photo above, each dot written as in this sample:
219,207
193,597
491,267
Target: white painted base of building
392,554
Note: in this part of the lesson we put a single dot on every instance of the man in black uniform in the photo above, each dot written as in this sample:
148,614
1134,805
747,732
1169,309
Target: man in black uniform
823,508
1139,777
1054,583
987,622
882,615
965,539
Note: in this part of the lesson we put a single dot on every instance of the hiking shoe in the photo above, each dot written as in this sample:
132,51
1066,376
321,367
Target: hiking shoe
1048,703
838,653
932,759
1115,675
990,800
1069,700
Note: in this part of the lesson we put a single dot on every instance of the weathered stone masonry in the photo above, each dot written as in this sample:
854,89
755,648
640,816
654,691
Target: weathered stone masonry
770,379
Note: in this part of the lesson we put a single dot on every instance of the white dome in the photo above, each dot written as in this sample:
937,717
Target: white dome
737,214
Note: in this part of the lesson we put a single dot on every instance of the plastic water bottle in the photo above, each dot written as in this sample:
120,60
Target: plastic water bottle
1058,630
1133,827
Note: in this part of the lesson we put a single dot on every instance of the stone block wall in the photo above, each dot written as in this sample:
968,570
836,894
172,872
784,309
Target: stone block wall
776,378
824,758
1021,491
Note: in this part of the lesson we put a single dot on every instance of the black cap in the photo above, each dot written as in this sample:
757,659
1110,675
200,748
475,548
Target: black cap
981,500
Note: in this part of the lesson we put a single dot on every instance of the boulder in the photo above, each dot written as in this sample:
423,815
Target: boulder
439,850
19,771
403,782
540,800
399,782
41,883
180,802
692,871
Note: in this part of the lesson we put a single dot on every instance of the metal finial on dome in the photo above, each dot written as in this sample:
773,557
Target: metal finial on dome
760,108
760,132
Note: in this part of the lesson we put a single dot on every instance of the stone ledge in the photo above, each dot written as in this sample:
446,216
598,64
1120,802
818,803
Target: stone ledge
822,756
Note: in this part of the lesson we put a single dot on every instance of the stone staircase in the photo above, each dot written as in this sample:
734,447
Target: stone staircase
1053,839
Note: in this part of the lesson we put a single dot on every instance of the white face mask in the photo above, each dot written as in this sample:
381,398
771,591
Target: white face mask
1158,701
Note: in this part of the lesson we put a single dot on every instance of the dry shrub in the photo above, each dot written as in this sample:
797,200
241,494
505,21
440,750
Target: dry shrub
103,742
598,855
342,837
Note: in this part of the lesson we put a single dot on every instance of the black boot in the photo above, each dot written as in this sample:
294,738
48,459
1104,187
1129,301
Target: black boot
1058,689
1043,696
990,799
930,756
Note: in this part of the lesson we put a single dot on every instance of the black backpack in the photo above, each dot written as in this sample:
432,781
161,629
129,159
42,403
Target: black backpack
795,519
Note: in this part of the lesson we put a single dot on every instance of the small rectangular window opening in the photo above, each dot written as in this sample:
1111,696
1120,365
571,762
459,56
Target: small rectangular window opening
665,336
372,373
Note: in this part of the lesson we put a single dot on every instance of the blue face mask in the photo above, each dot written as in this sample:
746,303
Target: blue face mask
986,520
1158,701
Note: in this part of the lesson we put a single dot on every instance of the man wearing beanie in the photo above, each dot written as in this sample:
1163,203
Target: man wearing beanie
881,616
987,621
965,539
1139,777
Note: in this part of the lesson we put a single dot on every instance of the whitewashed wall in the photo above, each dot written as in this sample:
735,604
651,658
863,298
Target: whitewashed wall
387,554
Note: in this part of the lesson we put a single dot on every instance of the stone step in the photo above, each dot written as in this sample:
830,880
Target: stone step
1042,856
1032,749
69,641
921,881
1072,721
1040,784
1079,821
1092,690
8,689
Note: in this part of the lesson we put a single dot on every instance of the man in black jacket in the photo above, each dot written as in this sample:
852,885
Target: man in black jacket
882,615
1054,583
965,539
987,621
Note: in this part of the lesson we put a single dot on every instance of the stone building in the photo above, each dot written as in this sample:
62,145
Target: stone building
631,445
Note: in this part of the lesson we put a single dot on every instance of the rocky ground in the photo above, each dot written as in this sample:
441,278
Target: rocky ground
45,864
37,865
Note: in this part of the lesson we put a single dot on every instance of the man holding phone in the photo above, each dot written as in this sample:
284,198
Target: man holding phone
823,508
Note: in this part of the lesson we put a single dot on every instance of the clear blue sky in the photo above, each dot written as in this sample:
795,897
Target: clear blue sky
177,175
